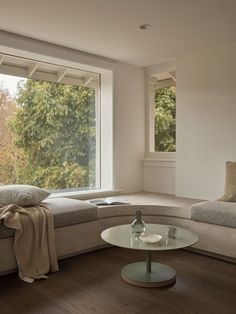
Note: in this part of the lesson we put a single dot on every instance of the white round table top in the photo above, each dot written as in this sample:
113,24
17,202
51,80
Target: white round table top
122,236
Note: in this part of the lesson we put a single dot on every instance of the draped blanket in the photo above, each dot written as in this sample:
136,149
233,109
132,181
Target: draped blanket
34,242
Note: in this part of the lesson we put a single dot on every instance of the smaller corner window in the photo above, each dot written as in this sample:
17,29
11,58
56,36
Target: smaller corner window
163,102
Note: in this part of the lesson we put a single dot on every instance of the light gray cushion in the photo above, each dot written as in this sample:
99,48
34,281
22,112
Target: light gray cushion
215,212
23,195
68,211
65,211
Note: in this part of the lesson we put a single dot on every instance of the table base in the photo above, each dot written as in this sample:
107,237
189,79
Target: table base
138,275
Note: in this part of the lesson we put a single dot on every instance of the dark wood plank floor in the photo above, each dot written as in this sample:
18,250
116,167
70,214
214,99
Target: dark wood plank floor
91,283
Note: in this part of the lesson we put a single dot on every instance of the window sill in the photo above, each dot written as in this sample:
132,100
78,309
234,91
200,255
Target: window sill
159,162
84,195
160,155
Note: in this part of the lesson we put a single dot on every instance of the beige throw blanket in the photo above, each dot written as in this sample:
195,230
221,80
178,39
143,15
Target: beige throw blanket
34,242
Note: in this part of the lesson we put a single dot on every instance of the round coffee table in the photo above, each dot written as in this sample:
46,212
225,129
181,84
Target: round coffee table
148,274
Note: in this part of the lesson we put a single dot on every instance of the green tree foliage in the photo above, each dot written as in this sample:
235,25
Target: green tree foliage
55,126
165,119
11,158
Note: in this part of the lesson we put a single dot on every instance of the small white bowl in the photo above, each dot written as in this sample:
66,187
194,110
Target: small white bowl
150,237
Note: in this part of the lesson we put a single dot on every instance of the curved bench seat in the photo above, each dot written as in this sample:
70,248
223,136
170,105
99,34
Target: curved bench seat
215,212
85,236
65,211
147,210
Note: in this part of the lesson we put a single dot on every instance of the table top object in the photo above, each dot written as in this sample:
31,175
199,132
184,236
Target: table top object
122,236
150,237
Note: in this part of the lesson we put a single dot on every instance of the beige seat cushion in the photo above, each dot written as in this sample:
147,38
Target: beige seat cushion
65,211
230,183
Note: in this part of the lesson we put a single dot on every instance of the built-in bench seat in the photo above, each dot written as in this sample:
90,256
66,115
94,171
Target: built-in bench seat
215,212
65,211
78,224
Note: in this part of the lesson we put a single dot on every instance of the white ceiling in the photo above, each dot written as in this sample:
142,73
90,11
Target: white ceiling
110,27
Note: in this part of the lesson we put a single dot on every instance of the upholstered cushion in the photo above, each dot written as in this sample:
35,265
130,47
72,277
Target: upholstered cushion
230,183
215,212
68,211
23,195
65,212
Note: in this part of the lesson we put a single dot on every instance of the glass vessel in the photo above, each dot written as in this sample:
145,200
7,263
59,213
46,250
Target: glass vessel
138,226
171,232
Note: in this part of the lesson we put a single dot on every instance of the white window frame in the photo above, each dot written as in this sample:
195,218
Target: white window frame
66,57
168,67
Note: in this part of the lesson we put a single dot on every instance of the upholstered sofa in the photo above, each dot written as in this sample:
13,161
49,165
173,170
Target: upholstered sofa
215,223
78,226
217,235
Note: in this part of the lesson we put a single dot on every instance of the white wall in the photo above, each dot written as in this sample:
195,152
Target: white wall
206,120
159,175
128,99
129,127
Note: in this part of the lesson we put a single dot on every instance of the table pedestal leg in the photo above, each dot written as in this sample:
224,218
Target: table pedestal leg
149,262
148,274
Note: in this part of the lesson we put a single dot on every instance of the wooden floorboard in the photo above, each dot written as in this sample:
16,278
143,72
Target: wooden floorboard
91,283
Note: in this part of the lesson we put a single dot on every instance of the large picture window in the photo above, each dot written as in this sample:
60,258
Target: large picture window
49,126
